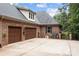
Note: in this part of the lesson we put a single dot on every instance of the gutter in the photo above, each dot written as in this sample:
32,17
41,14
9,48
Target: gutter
25,21
18,20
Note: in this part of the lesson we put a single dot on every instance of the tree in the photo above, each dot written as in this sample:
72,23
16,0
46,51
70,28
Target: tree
74,19
62,17
70,20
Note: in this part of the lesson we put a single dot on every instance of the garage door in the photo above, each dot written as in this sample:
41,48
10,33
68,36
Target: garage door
30,33
14,34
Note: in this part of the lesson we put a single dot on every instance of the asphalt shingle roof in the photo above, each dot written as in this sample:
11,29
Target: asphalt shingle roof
11,11
44,18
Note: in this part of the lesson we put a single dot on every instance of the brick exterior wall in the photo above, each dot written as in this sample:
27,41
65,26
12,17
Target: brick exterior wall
4,29
40,31
55,29
0,32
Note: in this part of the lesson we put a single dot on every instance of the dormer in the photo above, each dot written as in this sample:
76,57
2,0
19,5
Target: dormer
29,14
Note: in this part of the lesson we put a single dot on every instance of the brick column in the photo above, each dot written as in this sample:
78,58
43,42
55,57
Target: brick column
23,36
1,44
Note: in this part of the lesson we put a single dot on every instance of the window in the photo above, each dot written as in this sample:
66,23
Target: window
49,29
31,15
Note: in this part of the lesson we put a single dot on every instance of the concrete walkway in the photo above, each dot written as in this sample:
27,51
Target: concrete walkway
41,47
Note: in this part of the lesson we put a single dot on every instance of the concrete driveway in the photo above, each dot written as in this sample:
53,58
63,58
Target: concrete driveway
41,47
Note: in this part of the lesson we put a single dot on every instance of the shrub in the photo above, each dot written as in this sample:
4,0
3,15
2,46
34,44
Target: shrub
65,35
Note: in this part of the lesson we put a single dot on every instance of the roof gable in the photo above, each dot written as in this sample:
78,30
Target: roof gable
44,18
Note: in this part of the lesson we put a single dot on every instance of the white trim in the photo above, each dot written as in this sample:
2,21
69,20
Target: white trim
26,14
31,19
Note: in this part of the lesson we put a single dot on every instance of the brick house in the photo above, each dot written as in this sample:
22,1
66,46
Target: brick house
17,24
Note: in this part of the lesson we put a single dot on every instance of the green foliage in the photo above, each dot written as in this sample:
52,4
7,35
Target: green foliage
74,19
65,35
62,17
70,20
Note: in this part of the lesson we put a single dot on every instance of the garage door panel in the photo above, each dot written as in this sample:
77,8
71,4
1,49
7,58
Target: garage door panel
30,33
14,34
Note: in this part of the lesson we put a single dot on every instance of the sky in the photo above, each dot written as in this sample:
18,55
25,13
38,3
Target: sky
51,8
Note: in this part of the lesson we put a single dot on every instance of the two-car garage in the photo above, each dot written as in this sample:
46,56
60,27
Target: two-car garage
15,33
